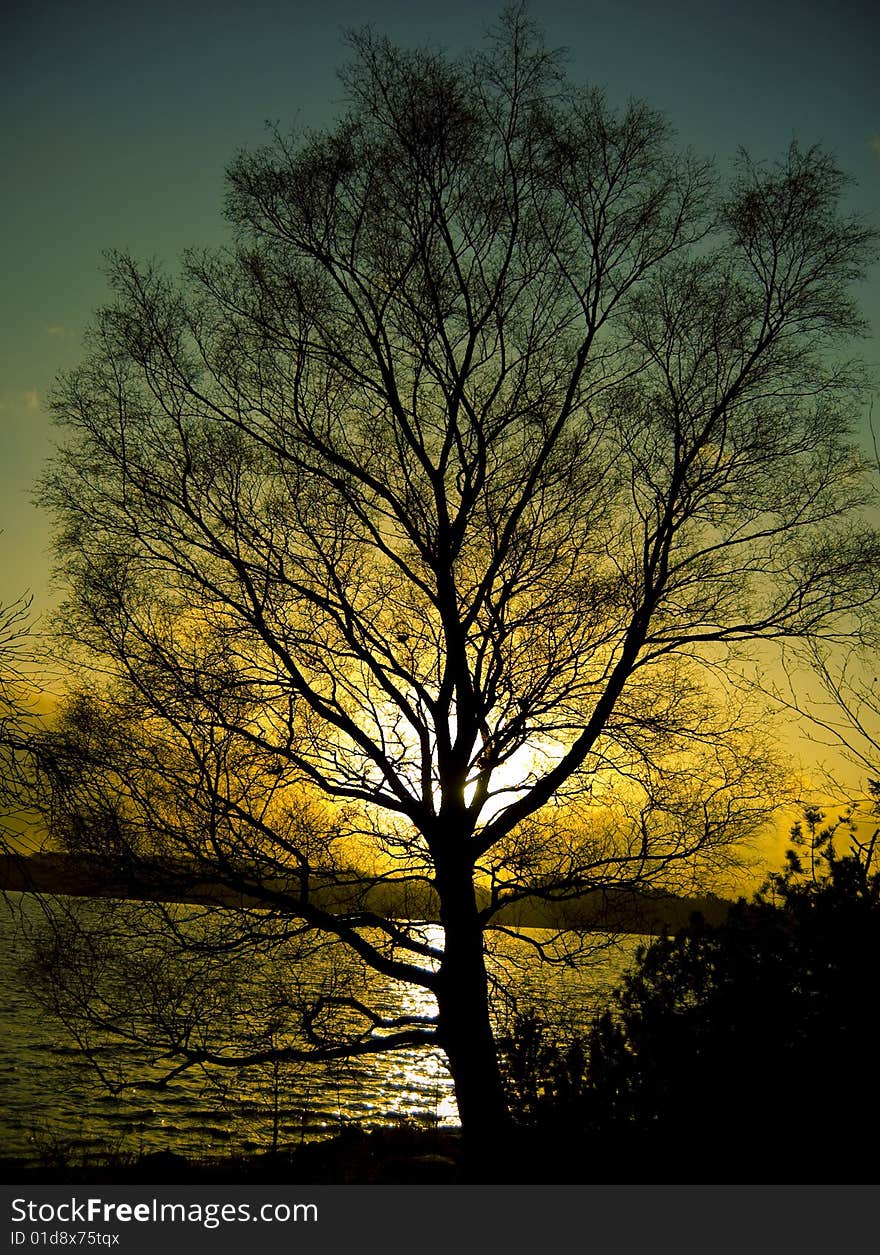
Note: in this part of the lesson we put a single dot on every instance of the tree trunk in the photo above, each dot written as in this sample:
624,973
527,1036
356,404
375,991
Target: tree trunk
465,1027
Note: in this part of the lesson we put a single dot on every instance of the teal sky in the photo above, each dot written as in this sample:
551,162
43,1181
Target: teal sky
119,118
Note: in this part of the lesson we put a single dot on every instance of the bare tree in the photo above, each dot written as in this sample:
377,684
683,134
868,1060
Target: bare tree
830,685
835,691
18,693
443,498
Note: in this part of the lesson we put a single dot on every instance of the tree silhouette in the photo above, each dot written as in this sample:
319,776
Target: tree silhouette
410,535
18,691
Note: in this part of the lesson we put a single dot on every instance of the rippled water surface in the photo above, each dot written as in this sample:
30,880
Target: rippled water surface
54,1107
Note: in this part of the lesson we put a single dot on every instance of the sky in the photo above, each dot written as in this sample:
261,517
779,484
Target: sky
121,117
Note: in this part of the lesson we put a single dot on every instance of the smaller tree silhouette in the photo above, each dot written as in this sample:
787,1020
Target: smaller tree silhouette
18,748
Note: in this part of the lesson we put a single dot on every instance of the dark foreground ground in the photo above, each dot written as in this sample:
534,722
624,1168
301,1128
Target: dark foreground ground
387,1156
411,1156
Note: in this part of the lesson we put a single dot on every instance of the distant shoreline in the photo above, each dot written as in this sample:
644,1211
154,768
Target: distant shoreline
601,910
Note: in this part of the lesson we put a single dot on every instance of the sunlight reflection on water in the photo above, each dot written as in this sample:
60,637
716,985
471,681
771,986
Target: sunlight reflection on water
56,1108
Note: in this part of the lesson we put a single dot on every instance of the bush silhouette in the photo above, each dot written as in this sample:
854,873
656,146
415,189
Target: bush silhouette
738,1051
747,1049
